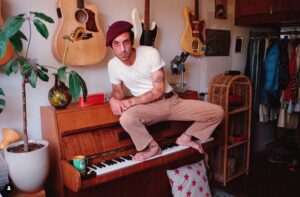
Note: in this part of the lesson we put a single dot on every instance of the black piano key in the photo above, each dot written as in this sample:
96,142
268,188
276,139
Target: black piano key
110,162
128,157
100,165
93,167
119,159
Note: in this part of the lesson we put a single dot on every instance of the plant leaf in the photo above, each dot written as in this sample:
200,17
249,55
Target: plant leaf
13,25
3,43
16,42
43,17
14,65
2,101
26,68
74,85
32,78
11,66
42,75
61,72
83,87
22,60
41,28
1,92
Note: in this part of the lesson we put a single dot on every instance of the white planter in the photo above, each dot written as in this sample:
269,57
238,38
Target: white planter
29,170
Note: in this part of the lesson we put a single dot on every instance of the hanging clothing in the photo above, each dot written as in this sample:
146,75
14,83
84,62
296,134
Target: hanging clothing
254,71
270,95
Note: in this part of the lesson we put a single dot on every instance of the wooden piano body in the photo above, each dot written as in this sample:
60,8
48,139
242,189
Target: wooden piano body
95,132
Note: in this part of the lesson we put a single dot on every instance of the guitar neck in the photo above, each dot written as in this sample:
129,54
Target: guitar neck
196,10
80,4
147,15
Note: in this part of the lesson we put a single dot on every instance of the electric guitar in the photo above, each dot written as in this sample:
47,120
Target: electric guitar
9,50
149,33
90,48
192,40
137,27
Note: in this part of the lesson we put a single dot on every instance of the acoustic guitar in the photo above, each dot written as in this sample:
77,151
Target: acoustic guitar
9,50
192,40
90,49
149,33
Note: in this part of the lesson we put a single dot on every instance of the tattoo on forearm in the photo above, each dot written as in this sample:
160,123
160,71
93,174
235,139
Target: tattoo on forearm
159,79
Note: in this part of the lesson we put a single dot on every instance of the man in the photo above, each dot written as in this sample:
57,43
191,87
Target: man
141,71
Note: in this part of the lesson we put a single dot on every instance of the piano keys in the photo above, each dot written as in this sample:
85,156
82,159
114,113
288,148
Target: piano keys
109,166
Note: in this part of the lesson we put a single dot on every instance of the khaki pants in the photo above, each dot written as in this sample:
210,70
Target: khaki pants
207,116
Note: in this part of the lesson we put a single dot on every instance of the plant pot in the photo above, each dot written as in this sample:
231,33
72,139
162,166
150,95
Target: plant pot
28,170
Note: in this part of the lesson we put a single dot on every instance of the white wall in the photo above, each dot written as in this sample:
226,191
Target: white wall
169,16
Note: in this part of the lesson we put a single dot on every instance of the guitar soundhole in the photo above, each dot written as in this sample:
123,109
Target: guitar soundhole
81,16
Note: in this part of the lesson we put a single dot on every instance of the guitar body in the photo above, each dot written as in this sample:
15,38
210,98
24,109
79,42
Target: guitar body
88,51
191,40
137,27
9,51
148,36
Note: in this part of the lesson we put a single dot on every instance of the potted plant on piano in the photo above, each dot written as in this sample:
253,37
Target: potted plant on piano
28,160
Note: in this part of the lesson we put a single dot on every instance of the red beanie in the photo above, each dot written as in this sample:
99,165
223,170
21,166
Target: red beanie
116,29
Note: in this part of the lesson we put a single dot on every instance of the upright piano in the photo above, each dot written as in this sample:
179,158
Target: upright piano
95,132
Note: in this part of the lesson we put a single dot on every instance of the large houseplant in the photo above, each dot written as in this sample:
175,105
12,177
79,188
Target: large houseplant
31,71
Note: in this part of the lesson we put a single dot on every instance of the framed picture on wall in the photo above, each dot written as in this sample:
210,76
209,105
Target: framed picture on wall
217,42
239,44
221,9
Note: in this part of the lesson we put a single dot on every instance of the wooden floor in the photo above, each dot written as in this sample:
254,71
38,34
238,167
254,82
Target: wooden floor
266,179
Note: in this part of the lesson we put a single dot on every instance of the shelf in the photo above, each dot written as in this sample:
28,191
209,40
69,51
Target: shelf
232,160
237,144
237,174
235,111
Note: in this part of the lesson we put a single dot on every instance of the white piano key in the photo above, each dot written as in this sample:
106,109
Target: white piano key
128,163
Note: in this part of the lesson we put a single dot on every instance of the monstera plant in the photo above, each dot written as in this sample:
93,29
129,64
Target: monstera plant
10,31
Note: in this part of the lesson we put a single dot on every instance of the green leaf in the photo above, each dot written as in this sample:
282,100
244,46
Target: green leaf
1,92
41,28
2,101
62,72
42,75
22,60
7,69
43,17
16,42
13,25
83,87
43,68
74,85
14,65
32,78
3,43
26,68
11,66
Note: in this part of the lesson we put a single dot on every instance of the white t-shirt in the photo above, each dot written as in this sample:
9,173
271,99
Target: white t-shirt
137,77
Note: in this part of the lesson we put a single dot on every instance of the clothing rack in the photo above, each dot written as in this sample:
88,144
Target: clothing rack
272,33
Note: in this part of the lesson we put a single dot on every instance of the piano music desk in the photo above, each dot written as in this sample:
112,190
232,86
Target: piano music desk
95,132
